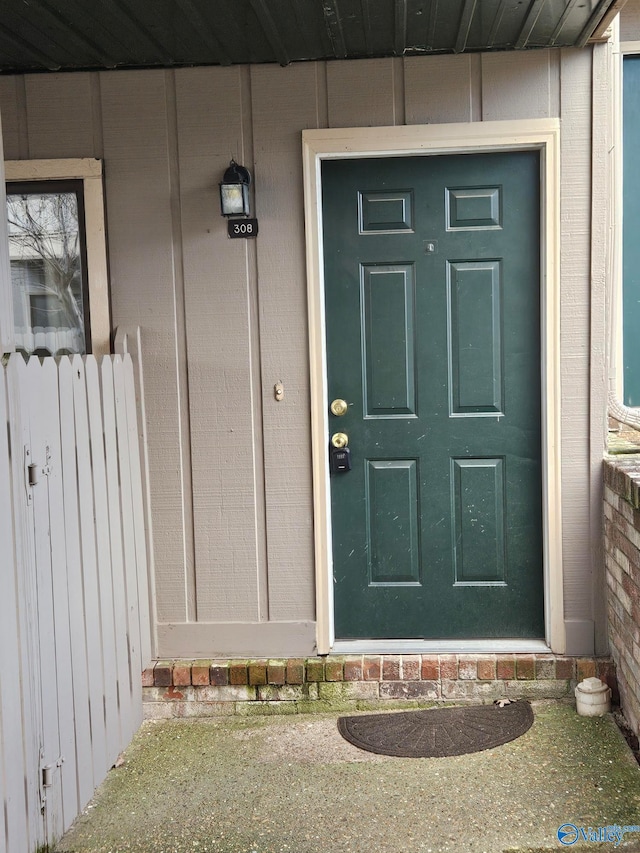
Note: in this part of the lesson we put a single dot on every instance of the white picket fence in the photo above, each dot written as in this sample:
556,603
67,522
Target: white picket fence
74,594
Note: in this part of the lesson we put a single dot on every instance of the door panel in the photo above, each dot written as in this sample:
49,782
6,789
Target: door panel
478,515
432,291
475,335
393,523
388,340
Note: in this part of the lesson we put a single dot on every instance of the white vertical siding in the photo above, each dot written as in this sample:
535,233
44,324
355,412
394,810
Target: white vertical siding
447,89
142,285
284,103
59,115
361,94
630,21
575,205
521,85
219,331
74,603
224,320
603,193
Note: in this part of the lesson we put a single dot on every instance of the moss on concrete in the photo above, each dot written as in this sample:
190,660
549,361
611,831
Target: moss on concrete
292,785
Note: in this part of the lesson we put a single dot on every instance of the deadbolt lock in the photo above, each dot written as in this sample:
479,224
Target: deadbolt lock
339,408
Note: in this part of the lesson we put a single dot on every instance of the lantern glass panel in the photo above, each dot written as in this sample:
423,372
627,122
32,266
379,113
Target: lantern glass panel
234,199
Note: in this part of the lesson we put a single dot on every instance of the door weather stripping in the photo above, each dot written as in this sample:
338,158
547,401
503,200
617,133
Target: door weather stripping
430,647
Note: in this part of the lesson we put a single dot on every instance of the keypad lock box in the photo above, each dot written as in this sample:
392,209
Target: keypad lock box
340,460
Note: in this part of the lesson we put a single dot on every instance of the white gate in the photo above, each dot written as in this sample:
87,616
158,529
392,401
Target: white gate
74,593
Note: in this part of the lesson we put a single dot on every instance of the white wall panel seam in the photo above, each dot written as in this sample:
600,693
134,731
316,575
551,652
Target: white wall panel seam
258,386
181,349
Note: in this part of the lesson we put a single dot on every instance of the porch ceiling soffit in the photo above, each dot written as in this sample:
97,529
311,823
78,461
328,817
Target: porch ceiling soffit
55,35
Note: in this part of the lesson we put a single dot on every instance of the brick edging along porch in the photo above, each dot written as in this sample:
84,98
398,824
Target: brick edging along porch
182,688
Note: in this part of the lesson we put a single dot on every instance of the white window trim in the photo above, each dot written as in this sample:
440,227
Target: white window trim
89,171
538,134
7,334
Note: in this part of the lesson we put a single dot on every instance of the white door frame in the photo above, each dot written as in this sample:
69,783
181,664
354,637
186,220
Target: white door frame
425,140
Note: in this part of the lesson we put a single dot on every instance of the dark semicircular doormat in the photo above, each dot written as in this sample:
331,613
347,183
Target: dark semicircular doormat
438,732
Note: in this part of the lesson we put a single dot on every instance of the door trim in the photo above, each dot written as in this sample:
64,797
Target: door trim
427,140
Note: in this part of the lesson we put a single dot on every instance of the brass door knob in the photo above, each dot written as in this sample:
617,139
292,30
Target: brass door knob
339,408
339,439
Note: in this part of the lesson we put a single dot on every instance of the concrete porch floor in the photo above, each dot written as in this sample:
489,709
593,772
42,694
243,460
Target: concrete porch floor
276,784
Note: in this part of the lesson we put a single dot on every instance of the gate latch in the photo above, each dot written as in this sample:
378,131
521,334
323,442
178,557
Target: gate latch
33,471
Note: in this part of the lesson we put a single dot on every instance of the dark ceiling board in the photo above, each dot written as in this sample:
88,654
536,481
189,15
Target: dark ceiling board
334,28
449,15
254,38
203,31
34,34
41,35
465,25
230,30
416,25
307,21
367,28
119,39
593,22
75,39
123,10
433,19
23,47
354,26
495,24
555,35
557,26
261,8
529,24
401,27
370,28
302,30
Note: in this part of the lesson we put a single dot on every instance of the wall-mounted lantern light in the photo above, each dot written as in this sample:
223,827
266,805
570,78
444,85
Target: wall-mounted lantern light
234,191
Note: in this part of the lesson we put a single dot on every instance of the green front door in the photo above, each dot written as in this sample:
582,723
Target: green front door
630,221
432,294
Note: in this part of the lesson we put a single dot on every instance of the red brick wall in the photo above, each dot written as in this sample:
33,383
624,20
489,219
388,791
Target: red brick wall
208,687
622,558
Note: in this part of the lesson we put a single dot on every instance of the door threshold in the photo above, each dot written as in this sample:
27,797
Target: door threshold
426,647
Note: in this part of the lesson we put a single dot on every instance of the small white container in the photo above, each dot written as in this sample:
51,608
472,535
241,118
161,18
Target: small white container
593,698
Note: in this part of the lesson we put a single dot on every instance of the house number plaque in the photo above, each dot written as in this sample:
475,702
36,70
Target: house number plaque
242,227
